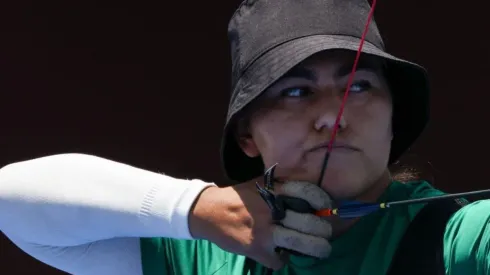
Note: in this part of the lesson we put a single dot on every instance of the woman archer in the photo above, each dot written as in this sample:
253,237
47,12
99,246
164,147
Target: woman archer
292,63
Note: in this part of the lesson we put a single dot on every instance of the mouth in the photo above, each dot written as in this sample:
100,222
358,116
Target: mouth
336,145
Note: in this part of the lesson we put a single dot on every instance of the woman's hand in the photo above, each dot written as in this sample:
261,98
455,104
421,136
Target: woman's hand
237,219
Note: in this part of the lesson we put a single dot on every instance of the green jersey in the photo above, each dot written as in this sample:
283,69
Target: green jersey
365,249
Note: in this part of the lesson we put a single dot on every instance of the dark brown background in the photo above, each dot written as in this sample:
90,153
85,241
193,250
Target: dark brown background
90,78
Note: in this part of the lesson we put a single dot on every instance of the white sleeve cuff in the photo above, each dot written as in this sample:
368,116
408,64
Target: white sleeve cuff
164,207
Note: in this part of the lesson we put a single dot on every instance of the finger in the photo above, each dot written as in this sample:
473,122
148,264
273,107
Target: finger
272,260
310,192
283,255
266,253
297,241
307,223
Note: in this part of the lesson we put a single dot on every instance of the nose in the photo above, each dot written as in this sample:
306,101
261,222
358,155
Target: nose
328,111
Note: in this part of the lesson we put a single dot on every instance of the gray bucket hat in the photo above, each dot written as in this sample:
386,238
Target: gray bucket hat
270,37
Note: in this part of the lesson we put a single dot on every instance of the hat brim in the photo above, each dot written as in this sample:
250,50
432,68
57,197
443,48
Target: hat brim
408,82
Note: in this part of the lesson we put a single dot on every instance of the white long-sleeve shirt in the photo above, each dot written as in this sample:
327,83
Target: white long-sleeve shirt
84,214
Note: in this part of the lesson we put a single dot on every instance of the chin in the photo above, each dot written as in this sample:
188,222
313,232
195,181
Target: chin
342,189
341,193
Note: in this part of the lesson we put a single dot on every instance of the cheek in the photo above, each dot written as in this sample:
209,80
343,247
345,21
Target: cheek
376,120
384,120
371,128
279,138
378,132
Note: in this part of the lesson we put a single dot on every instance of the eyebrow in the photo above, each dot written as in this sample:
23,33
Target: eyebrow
300,71
362,65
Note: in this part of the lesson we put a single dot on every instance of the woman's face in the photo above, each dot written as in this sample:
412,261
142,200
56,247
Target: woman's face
293,121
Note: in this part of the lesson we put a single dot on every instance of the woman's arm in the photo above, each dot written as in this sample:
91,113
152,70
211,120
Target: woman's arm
69,210
467,240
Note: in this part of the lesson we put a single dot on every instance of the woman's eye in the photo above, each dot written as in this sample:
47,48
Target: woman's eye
360,86
296,92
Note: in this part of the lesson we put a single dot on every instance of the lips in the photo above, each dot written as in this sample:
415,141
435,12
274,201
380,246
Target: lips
336,145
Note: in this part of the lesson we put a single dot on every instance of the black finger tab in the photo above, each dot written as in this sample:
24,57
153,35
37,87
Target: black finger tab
294,204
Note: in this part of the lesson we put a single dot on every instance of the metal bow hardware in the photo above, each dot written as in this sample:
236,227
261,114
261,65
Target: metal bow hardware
279,203
278,213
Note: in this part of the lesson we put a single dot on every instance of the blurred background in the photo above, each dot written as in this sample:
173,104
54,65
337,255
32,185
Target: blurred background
147,83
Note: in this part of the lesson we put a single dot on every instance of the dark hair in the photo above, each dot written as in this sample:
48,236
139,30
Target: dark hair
412,167
406,174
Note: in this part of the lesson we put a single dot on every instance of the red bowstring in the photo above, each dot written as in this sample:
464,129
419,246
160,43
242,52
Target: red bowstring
346,94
